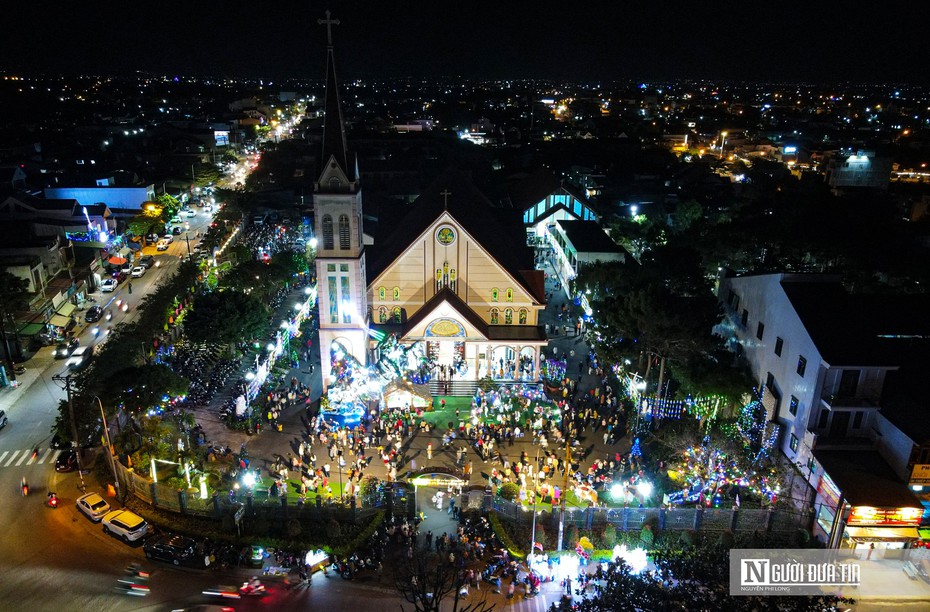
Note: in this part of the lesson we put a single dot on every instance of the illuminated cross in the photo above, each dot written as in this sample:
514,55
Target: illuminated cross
445,198
329,27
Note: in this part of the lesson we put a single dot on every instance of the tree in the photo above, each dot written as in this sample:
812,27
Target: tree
150,217
255,277
14,293
142,387
227,317
170,205
427,578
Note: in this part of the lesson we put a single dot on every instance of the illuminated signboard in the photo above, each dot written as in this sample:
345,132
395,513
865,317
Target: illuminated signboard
791,150
866,515
920,475
828,491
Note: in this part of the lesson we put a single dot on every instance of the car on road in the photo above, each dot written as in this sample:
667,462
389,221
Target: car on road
67,461
190,212
3,419
94,313
176,231
125,525
109,285
162,245
139,271
93,506
121,276
126,268
64,349
175,220
80,357
147,260
169,238
170,548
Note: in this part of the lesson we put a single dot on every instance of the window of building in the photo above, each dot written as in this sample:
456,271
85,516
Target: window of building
330,267
793,406
382,293
333,299
395,292
508,316
779,345
343,267
857,419
494,294
760,330
346,299
344,232
811,465
397,314
793,443
382,315
494,316
802,365
823,419
733,300
509,294
744,320
523,314
327,232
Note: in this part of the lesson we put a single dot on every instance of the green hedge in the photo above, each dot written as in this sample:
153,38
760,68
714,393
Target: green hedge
502,533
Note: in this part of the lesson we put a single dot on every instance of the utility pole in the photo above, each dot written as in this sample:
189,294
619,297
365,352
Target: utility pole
66,379
568,466
110,458
187,236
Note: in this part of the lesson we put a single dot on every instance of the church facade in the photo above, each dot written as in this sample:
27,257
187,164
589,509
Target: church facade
451,280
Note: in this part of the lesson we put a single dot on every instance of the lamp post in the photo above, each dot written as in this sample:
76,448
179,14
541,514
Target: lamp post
106,433
723,142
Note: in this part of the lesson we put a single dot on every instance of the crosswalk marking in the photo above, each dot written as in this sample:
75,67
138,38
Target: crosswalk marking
45,456
12,457
3,456
49,456
23,458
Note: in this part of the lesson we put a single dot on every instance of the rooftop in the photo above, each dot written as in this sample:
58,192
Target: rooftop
865,479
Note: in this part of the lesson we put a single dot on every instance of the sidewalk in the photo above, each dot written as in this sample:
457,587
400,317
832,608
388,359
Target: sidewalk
35,366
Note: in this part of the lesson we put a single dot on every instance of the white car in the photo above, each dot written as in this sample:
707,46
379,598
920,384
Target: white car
162,245
125,525
80,357
190,212
168,238
175,220
109,285
138,272
93,506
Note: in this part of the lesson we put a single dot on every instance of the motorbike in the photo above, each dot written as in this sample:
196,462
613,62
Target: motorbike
25,486
128,587
52,500
109,315
95,330
252,588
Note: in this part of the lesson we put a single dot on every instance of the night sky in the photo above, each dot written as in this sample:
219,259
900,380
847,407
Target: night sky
825,41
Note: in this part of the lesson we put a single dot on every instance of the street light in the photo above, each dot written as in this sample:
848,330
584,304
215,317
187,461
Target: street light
723,142
106,433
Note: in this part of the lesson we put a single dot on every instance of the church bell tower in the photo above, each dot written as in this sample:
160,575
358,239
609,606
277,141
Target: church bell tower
340,256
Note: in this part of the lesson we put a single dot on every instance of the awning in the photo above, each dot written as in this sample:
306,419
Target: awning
32,329
883,533
59,321
924,533
116,261
66,309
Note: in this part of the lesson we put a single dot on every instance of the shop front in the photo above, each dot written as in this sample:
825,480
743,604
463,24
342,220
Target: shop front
881,528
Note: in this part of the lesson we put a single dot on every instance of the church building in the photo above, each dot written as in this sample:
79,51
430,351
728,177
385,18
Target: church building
451,279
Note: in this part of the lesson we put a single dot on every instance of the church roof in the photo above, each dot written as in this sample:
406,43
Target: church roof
334,135
470,208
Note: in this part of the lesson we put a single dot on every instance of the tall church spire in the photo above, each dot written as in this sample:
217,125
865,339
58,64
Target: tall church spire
334,136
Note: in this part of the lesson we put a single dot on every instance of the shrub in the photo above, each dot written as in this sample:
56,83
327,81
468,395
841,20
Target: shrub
646,536
610,536
689,538
293,528
571,536
505,538
509,491
725,540
541,536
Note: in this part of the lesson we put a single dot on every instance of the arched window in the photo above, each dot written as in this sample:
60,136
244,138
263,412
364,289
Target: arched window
327,232
494,294
508,316
397,314
523,316
344,232
509,294
494,316
382,294
382,315
396,293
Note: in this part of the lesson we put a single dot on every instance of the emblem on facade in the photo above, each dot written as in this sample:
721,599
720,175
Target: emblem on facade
446,328
446,235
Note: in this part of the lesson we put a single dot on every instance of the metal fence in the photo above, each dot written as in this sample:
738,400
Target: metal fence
166,497
674,519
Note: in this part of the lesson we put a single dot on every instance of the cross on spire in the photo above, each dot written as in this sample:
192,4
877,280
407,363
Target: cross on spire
445,198
329,23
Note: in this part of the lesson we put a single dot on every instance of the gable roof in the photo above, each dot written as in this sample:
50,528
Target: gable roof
472,210
455,302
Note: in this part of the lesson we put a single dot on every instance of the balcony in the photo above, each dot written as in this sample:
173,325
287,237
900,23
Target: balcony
861,402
